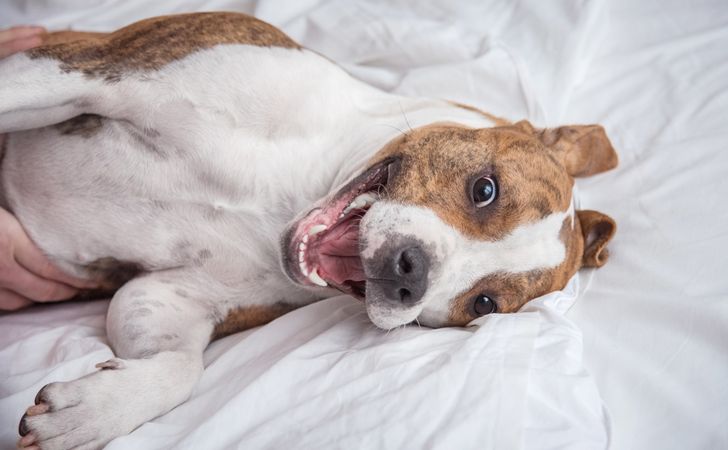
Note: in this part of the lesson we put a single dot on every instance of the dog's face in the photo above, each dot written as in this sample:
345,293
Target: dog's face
450,223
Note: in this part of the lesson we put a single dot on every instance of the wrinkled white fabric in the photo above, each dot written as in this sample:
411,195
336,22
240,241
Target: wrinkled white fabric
654,319
324,377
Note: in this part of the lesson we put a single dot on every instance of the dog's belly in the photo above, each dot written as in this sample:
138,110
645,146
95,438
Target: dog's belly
92,192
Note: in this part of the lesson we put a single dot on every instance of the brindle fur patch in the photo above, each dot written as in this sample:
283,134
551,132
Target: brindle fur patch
439,164
247,317
60,37
84,125
137,46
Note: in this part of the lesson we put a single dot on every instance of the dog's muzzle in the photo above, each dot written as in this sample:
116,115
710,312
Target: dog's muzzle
398,273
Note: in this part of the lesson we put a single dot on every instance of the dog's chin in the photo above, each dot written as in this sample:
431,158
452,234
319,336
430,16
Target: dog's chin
322,249
385,316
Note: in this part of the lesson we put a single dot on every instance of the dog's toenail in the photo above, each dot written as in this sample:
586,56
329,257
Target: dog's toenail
39,395
26,440
22,427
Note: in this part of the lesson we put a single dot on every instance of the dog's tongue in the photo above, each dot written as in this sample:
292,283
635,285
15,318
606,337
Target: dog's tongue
338,253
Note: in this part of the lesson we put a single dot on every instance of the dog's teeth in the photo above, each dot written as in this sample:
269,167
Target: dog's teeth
362,200
302,259
367,198
316,229
316,278
304,269
305,239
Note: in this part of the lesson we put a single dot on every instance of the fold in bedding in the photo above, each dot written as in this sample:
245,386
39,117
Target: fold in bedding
324,377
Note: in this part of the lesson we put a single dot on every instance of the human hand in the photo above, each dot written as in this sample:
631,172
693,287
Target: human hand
17,39
26,275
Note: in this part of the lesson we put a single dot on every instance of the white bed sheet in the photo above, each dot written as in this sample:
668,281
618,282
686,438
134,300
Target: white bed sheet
655,319
324,377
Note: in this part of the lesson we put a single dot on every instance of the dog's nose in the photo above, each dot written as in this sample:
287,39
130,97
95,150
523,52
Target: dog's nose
404,275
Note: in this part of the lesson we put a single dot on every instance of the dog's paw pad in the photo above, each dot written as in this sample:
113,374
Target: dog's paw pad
26,441
112,364
38,409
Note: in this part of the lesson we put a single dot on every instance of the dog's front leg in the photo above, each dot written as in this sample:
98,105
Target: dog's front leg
158,329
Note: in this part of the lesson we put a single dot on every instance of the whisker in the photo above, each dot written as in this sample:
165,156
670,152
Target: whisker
405,117
382,187
396,128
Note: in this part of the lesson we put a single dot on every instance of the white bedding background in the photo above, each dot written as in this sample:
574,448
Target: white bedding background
654,319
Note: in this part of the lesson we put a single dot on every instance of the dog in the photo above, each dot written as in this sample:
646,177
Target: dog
214,175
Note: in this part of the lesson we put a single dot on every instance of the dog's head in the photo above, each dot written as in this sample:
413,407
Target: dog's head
450,223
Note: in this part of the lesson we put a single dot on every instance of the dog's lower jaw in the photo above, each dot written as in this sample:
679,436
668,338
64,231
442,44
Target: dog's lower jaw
387,317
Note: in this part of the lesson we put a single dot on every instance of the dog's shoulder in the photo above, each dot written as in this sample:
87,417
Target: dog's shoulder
153,43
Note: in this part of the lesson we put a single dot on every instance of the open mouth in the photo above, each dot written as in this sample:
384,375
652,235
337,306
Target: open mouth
323,249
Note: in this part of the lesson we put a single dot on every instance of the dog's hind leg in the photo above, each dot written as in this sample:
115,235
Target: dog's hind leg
158,328
54,82
37,93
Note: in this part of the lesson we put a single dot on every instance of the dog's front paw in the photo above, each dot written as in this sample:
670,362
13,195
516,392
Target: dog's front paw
82,414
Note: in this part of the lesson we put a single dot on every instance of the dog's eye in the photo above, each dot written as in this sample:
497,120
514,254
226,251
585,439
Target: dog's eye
484,305
484,191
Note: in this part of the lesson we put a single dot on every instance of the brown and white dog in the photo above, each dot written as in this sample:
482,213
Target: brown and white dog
217,175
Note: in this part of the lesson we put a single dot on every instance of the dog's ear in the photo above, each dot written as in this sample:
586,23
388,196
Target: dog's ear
583,149
597,229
